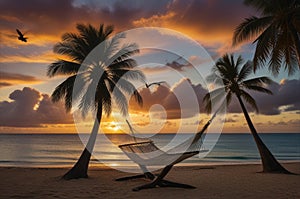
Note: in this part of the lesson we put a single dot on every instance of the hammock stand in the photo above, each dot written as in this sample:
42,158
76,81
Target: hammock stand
146,153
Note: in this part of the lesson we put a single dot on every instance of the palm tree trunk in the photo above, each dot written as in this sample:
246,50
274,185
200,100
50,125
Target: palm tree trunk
269,163
79,170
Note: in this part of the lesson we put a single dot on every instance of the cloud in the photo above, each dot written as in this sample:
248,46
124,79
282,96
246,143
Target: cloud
174,100
53,18
178,101
4,84
209,22
285,98
9,79
30,108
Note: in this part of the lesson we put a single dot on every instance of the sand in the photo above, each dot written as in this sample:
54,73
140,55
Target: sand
234,181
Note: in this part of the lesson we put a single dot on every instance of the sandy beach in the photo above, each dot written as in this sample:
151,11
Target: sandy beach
232,181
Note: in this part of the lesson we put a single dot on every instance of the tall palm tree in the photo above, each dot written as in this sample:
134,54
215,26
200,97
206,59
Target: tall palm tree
106,76
229,75
276,34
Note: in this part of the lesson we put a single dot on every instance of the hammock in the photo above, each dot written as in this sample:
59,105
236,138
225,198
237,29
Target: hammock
146,153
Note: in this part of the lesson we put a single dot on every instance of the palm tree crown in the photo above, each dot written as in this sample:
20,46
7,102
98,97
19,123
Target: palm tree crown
115,77
276,34
229,75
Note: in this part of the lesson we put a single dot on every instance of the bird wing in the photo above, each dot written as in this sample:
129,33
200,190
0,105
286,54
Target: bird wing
156,83
19,32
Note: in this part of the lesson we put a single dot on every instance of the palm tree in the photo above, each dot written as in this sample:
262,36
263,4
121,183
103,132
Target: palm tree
231,77
276,33
106,76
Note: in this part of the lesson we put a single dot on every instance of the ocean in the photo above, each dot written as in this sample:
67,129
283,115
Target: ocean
62,150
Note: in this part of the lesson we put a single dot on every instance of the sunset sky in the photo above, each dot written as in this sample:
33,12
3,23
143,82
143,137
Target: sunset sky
25,104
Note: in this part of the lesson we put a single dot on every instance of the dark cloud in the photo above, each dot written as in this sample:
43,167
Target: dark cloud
47,17
45,21
183,100
209,22
55,17
285,98
9,79
30,108
210,16
177,66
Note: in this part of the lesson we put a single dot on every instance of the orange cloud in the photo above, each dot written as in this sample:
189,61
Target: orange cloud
44,57
211,23
9,79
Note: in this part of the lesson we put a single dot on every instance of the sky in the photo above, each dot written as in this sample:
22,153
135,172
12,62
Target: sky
25,89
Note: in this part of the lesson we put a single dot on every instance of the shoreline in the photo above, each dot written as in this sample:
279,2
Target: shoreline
102,165
220,181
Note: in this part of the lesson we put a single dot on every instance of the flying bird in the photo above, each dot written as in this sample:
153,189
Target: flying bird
155,83
21,36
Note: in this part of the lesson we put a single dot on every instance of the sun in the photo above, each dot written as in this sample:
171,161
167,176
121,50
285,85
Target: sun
114,126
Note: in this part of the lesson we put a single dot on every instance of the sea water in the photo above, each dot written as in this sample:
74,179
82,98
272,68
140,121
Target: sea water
62,150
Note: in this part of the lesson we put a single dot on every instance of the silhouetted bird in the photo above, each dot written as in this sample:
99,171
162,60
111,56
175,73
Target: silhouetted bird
21,36
154,83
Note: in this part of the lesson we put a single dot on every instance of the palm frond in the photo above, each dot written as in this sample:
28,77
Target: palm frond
216,79
126,51
77,42
215,96
291,62
263,47
68,49
258,81
226,67
128,88
103,98
88,101
228,98
249,99
289,52
120,100
250,28
276,59
245,71
259,89
135,75
264,6
124,64
89,34
107,31
112,46
65,90
239,61
62,67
